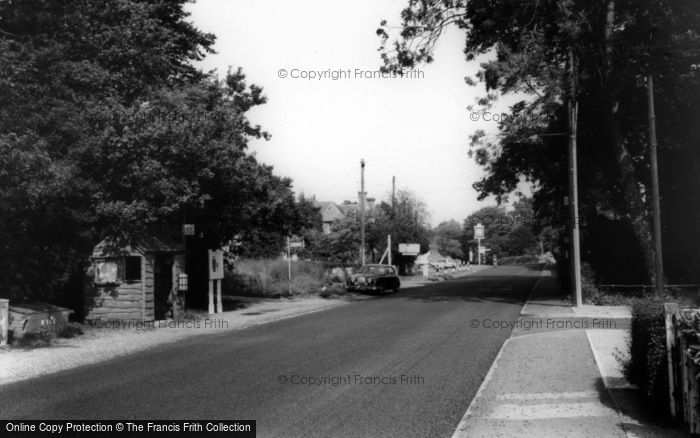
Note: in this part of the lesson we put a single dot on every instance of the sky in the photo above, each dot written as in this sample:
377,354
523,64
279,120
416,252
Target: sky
415,128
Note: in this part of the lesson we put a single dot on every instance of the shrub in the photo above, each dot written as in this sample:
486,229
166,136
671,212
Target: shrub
519,260
71,330
269,277
646,367
40,338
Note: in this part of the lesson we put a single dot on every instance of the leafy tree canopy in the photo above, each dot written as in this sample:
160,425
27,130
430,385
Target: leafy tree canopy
106,128
609,46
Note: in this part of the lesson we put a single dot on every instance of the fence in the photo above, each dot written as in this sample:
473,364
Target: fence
4,320
683,356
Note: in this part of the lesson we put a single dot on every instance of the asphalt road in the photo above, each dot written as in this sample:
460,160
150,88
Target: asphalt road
402,365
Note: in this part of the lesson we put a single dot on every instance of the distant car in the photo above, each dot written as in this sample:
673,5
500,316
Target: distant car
374,278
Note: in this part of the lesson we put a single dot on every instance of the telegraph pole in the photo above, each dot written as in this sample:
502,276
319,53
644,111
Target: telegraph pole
658,259
573,187
362,211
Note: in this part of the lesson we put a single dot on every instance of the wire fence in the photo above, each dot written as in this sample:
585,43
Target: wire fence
644,289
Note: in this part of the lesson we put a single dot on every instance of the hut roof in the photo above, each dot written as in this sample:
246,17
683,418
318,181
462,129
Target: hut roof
144,245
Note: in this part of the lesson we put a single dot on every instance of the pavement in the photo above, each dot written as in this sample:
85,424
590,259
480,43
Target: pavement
559,375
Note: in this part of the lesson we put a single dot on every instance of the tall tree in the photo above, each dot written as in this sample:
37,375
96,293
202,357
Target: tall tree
107,128
613,43
448,236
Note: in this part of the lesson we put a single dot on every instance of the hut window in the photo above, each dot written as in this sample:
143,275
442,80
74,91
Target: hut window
106,271
132,268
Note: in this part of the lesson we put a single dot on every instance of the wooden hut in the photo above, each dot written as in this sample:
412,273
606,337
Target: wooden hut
135,282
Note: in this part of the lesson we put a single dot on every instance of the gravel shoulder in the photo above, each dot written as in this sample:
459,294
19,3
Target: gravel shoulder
102,343
98,344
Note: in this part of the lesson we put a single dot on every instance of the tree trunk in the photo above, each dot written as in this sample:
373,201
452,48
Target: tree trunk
634,203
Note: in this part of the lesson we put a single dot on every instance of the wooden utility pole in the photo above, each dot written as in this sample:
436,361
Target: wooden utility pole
289,264
388,247
656,207
573,186
362,211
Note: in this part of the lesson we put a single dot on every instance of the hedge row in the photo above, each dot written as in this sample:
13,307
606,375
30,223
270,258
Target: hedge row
646,366
270,277
519,260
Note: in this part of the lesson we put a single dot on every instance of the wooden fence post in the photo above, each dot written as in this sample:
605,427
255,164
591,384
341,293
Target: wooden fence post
4,320
693,419
670,314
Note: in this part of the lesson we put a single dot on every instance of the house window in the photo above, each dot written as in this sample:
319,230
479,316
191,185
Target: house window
132,268
106,271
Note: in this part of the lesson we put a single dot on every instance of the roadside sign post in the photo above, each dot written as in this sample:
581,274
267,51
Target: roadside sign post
216,274
478,235
291,244
289,263
409,249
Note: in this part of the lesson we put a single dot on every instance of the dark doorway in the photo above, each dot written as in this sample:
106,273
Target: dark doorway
162,285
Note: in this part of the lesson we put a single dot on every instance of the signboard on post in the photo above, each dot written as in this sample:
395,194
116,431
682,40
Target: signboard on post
216,274
216,264
409,249
188,229
478,231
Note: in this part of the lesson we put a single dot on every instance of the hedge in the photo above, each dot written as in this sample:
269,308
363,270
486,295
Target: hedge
646,366
519,260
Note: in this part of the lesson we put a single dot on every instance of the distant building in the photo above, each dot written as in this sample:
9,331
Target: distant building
331,212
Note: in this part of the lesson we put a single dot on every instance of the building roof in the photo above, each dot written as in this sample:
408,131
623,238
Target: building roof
330,211
109,247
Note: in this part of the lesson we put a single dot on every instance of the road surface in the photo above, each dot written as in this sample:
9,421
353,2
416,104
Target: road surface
402,365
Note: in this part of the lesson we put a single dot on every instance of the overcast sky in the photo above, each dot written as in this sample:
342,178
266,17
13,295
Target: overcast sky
414,128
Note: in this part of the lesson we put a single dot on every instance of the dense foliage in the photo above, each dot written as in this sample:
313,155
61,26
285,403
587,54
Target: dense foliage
106,128
529,48
506,233
647,366
405,218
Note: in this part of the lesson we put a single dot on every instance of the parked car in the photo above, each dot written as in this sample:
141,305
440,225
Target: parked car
374,278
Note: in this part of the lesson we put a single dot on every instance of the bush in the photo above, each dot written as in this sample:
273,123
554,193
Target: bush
269,277
71,330
519,260
646,367
40,338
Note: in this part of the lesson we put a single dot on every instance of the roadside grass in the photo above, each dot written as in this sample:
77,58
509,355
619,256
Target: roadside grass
270,278
614,297
46,335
